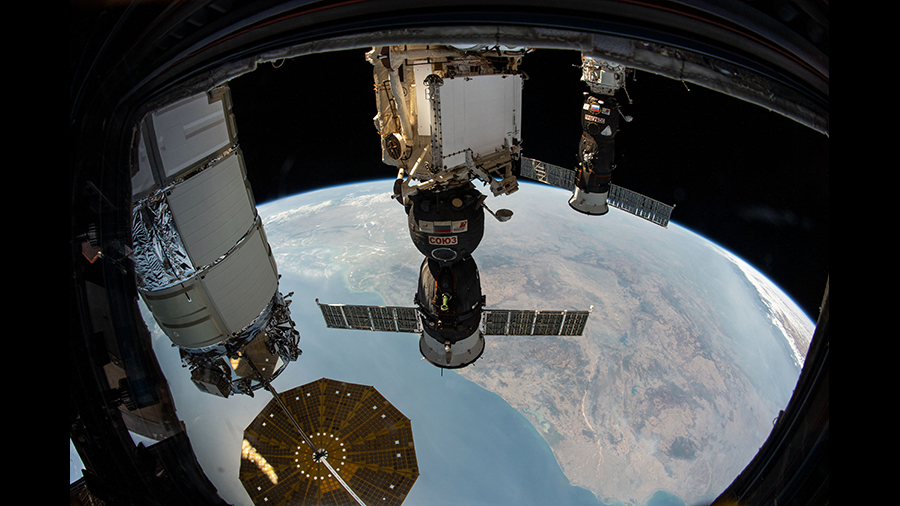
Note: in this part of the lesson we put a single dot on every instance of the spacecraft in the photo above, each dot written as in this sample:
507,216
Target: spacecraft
203,264
599,125
447,117
590,182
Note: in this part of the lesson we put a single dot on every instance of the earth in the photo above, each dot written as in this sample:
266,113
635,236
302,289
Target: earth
686,360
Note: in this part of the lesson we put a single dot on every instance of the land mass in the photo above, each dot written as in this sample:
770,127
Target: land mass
652,396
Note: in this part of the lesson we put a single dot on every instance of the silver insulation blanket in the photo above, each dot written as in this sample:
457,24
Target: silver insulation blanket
160,258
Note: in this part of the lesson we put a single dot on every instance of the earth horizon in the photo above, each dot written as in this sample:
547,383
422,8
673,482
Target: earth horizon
687,358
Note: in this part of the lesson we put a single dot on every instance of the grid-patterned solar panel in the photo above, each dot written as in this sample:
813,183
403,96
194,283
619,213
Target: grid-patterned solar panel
520,323
515,322
495,322
639,205
369,443
358,317
382,319
574,323
547,323
548,173
379,318
620,198
334,318
407,319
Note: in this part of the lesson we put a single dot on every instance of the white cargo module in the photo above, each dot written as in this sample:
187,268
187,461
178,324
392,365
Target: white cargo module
203,264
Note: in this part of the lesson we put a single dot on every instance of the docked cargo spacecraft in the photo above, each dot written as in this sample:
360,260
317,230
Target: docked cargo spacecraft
203,265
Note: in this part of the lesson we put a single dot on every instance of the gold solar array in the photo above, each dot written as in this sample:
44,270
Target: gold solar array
369,443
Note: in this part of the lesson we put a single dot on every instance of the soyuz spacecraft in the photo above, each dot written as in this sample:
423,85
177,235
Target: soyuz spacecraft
449,116
590,182
203,265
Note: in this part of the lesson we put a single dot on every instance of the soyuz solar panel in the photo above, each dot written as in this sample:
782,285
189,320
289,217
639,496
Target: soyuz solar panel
620,198
547,323
497,322
358,317
575,323
334,318
407,319
514,322
548,173
520,323
378,318
639,205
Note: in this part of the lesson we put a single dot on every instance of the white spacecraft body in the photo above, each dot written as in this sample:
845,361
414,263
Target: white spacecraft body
473,122
448,115
203,264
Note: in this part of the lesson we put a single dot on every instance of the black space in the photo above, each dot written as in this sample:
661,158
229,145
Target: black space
748,179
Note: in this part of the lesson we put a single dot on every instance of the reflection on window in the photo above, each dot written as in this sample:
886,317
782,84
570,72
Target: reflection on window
249,452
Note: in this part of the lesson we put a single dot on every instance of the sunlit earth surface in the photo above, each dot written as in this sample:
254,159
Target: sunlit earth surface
687,358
